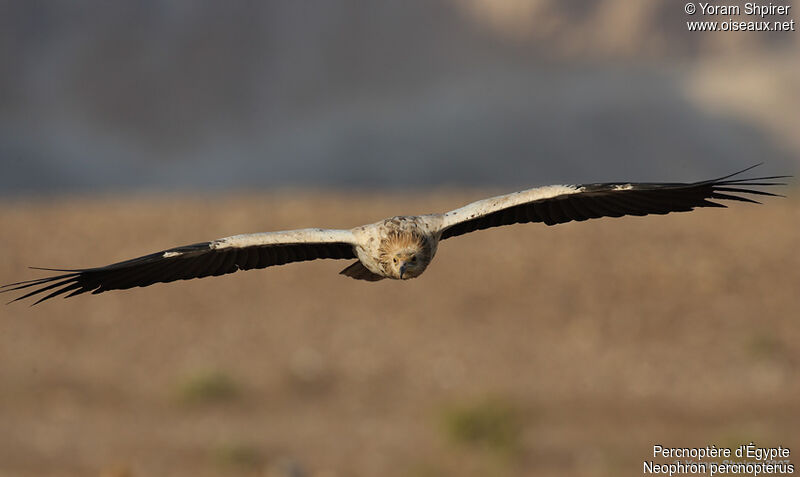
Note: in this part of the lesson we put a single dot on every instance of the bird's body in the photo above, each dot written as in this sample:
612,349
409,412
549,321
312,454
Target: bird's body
386,246
399,247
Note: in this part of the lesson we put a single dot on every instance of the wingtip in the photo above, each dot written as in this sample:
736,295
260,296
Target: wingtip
738,172
15,300
56,269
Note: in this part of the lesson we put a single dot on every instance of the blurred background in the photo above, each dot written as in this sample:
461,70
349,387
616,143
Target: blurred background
154,95
130,127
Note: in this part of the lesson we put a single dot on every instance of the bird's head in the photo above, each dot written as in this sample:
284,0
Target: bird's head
405,257
406,264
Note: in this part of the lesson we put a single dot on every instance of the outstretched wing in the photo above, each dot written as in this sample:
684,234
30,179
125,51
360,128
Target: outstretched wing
564,203
218,257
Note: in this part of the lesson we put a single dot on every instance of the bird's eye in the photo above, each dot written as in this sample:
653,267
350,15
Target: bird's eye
395,260
414,259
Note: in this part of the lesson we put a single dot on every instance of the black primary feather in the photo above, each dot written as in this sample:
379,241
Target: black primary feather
618,199
202,259
191,261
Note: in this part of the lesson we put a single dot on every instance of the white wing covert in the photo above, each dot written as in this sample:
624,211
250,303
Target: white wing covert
564,203
214,258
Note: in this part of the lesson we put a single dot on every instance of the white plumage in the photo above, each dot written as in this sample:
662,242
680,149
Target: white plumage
398,247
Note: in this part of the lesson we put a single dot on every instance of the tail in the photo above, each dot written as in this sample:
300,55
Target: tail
358,271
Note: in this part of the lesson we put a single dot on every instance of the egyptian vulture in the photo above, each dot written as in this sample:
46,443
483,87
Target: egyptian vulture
399,247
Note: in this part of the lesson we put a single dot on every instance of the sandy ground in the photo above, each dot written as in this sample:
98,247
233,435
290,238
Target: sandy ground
527,350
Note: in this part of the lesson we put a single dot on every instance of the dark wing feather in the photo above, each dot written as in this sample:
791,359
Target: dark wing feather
191,261
591,201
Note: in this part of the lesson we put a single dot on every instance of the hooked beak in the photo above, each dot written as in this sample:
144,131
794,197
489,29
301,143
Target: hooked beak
403,269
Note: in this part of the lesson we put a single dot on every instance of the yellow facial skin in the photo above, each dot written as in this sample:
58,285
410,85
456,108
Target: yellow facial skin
406,264
404,256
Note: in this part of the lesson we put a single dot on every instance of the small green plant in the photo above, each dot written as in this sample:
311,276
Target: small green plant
238,455
491,424
208,387
765,346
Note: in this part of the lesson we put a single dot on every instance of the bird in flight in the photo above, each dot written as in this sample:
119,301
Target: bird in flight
399,247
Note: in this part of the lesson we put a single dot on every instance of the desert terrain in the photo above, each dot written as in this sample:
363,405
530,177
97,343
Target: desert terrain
527,350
